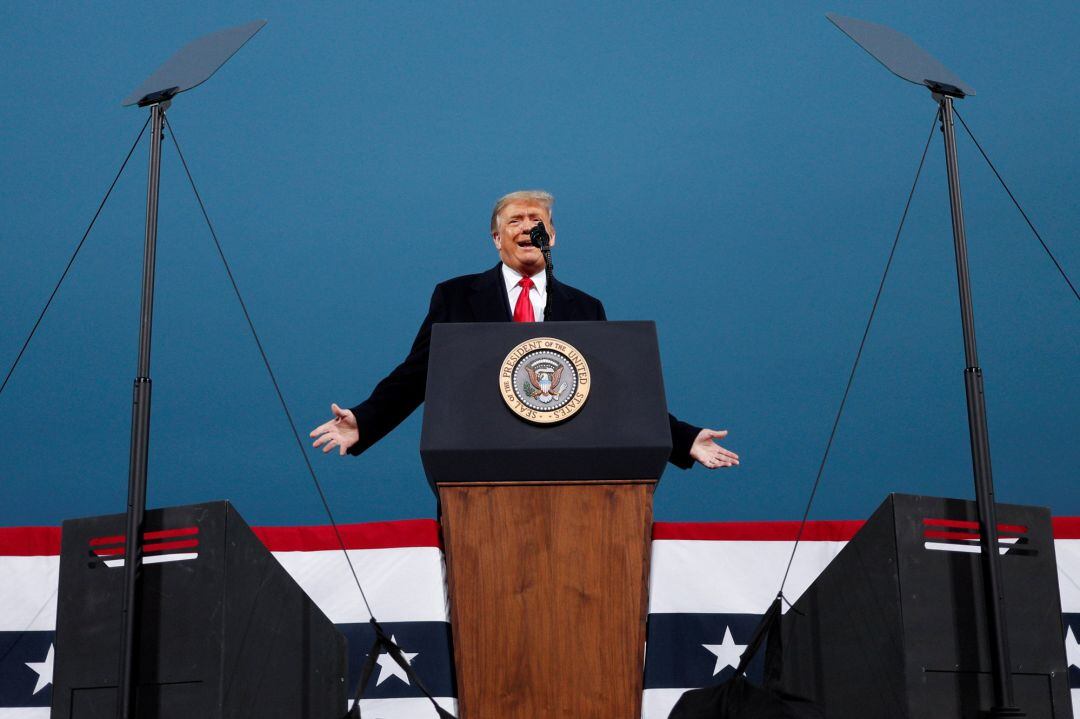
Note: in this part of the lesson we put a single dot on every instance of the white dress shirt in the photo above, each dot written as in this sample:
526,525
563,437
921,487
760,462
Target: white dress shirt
537,293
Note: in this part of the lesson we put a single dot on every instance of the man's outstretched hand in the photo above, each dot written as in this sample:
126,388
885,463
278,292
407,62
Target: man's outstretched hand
340,432
707,452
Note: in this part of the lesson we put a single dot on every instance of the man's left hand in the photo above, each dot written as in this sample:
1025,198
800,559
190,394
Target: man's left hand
707,452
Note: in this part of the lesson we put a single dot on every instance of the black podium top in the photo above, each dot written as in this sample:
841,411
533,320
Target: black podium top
471,434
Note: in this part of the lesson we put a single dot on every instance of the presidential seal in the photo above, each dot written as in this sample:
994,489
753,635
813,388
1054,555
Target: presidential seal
544,380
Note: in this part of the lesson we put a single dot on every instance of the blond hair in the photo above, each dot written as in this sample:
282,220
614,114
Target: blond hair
534,197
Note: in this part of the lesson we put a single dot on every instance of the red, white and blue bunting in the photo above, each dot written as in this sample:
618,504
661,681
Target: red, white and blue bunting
709,584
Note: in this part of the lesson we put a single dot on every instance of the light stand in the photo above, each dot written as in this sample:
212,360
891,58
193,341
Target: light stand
190,66
140,420
977,429
904,58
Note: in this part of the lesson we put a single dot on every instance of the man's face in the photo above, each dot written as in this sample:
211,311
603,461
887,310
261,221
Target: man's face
512,237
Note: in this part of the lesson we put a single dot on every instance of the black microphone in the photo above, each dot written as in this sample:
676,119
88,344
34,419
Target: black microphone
541,240
539,236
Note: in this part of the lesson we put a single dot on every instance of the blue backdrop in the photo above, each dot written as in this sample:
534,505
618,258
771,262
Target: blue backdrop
734,171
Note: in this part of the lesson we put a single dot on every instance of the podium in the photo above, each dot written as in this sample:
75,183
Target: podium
895,625
224,630
546,527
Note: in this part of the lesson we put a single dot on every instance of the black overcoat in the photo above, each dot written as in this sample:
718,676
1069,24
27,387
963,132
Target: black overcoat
477,298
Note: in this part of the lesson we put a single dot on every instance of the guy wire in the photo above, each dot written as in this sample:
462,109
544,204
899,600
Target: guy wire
269,370
858,355
71,261
1018,207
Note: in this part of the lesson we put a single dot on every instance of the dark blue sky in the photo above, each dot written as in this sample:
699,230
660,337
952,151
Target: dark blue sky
733,171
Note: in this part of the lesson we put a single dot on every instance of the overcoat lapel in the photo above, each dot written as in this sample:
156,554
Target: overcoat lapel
490,303
488,299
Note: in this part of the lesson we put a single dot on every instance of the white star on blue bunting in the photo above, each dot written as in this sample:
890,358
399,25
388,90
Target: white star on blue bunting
727,652
44,670
389,668
1072,649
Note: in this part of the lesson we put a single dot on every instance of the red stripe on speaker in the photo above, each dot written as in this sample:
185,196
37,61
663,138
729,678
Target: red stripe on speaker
115,539
1013,529
167,546
166,533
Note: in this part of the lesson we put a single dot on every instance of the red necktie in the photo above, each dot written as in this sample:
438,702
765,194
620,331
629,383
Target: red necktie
523,310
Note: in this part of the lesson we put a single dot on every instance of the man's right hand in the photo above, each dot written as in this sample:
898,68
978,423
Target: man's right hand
340,432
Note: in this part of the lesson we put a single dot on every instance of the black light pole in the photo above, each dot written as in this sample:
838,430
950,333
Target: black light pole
980,439
140,422
190,66
907,60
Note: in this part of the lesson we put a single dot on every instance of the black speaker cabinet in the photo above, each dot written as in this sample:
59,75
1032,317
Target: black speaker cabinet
895,625
224,631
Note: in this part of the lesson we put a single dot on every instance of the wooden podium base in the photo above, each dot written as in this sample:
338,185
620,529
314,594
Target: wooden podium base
548,588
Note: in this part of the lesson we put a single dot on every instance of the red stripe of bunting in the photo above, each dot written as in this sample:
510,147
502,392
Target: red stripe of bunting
45,541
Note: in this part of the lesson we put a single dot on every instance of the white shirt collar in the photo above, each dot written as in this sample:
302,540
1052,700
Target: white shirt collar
512,277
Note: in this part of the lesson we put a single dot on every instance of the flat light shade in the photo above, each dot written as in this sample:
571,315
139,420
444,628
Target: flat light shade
899,53
194,63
